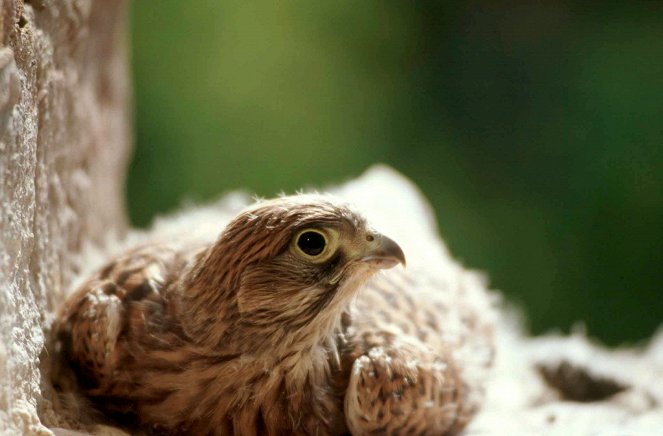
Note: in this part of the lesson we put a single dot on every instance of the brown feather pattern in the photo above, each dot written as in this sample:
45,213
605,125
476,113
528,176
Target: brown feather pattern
245,336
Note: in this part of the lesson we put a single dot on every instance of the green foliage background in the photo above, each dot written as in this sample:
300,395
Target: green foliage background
535,130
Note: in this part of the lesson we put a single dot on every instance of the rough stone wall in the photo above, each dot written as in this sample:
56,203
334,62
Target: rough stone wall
64,143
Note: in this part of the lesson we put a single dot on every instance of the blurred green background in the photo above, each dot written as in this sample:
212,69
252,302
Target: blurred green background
535,130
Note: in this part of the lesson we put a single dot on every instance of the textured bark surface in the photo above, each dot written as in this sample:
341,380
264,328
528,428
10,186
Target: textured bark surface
64,141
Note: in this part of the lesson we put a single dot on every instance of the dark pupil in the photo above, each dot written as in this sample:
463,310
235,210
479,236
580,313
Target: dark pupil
311,243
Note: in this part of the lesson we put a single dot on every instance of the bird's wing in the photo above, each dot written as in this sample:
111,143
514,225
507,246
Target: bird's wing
96,325
434,313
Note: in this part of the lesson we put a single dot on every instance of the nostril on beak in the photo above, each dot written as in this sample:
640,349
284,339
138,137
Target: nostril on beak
384,252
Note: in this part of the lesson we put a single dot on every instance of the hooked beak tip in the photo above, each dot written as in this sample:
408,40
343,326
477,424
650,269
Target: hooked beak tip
384,253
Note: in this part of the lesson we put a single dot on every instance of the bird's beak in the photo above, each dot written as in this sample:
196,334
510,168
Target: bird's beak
382,252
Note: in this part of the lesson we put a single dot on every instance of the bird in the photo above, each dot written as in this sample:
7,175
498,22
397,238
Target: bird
300,318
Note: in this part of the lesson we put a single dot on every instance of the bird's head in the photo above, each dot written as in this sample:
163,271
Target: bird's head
292,264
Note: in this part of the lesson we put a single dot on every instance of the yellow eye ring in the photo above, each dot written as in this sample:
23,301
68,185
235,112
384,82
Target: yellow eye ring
311,243
315,244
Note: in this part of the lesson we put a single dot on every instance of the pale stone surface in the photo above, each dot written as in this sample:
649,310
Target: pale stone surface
64,143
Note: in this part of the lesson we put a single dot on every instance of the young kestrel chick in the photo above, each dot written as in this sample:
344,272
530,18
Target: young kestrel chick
274,328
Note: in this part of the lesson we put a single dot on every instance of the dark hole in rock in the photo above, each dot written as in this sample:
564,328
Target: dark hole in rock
577,383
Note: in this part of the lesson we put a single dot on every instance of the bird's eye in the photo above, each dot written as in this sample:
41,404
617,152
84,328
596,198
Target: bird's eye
311,242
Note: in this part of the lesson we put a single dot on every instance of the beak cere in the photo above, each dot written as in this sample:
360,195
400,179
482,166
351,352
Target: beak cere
382,252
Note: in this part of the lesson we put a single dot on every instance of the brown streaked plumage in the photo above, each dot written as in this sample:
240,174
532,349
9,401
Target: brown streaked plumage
275,328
